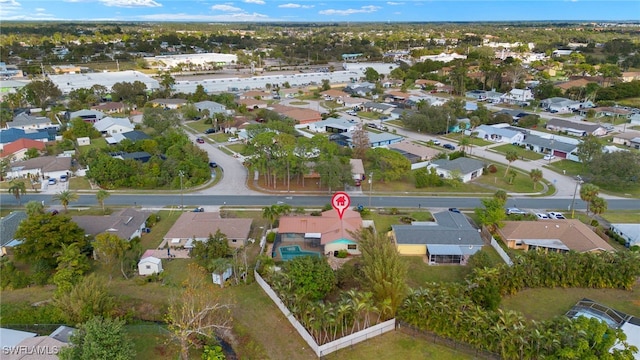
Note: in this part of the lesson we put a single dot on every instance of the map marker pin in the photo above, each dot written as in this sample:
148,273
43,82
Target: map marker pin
340,201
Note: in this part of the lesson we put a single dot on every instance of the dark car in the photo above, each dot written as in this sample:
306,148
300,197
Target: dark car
455,210
198,209
213,164
449,146
210,131
200,140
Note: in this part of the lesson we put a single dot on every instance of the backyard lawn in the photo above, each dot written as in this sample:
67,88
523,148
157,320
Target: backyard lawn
522,153
622,216
473,140
522,183
99,143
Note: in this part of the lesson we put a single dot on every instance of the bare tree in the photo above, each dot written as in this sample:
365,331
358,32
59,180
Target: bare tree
360,142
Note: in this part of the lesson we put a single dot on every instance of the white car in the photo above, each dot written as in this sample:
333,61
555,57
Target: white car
556,215
435,142
542,216
549,157
515,211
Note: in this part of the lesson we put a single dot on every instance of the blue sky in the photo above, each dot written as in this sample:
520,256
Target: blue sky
318,11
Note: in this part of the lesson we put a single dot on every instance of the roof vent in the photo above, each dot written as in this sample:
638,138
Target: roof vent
128,220
557,226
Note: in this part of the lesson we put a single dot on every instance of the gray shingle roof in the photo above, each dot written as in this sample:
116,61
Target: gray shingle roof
449,229
123,224
548,143
9,225
463,164
567,124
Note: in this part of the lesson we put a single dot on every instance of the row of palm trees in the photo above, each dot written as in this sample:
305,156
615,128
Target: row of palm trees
447,310
327,321
17,188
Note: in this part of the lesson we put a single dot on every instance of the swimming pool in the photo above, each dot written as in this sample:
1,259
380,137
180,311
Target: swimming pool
292,251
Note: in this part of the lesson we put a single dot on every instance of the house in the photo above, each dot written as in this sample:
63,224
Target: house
634,119
629,76
450,239
25,121
169,103
10,338
127,224
375,139
629,232
10,135
333,125
465,168
211,106
579,83
353,103
517,96
614,112
252,104
485,95
300,115
629,138
414,152
16,150
46,166
552,235
198,226
575,128
110,107
90,116
149,265
429,84
378,107
555,145
22,345
499,134
111,125
327,232
360,89
561,105
9,225
333,94
357,169
257,95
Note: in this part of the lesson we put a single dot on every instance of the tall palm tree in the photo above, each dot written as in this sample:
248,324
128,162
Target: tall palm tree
101,196
464,144
17,189
598,206
65,197
511,156
269,214
536,176
587,193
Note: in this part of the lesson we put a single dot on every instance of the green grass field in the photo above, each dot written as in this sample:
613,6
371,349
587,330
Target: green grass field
522,153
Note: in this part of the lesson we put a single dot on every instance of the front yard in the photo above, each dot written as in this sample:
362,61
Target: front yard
522,153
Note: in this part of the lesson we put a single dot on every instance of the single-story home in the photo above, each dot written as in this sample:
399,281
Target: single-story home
300,115
499,134
615,112
375,139
134,136
212,106
482,95
326,232
629,232
252,104
552,235
378,107
90,116
83,141
562,105
412,150
169,103
16,150
112,125
551,145
9,225
111,107
466,168
629,138
141,156
333,125
149,265
450,239
256,94
126,224
576,128
47,166
25,121
333,94
198,226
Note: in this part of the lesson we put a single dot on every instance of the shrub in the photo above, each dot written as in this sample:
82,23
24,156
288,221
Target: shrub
271,237
595,223
492,169
316,213
407,219
394,211
342,254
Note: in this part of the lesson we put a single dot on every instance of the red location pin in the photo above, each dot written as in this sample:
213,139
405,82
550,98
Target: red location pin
340,201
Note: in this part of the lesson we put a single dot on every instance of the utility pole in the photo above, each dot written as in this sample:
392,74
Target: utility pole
575,191
181,174
370,187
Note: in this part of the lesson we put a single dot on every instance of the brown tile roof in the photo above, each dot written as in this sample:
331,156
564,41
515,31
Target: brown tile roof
625,135
335,93
36,348
571,232
110,106
254,93
45,163
20,144
302,115
200,225
576,83
328,225
399,94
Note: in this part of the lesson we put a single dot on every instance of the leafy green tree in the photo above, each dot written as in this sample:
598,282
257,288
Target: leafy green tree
216,247
44,236
72,265
384,271
110,250
128,92
189,112
17,189
79,128
493,213
31,153
310,276
87,299
41,92
34,208
536,176
371,75
326,85
387,165
361,143
511,156
427,177
160,120
65,197
100,338
619,170
588,149
588,192
334,171
101,196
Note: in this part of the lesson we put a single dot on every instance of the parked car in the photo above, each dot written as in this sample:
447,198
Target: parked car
212,164
233,139
542,216
52,181
556,215
210,131
435,142
358,182
449,147
200,140
515,211
198,209
455,210
64,178
549,157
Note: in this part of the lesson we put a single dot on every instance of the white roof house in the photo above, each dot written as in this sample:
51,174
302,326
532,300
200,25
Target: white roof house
111,125
629,232
517,96
69,82
499,134
341,125
149,266
467,168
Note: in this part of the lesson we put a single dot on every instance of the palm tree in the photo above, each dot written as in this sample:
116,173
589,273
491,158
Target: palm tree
269,214
34,207
511,156
17,189
464,143
597,205
587,193
536,176
65,197
101,196
512,175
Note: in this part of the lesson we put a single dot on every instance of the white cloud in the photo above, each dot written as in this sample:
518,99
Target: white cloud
237,17
259,2
295,6
131,3
345,12
9,9
41,9
224,7
393,3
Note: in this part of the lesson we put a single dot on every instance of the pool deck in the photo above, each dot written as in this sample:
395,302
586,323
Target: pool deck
302,246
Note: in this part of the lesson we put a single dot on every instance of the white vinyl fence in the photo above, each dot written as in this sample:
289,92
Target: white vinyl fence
501,252
328,348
